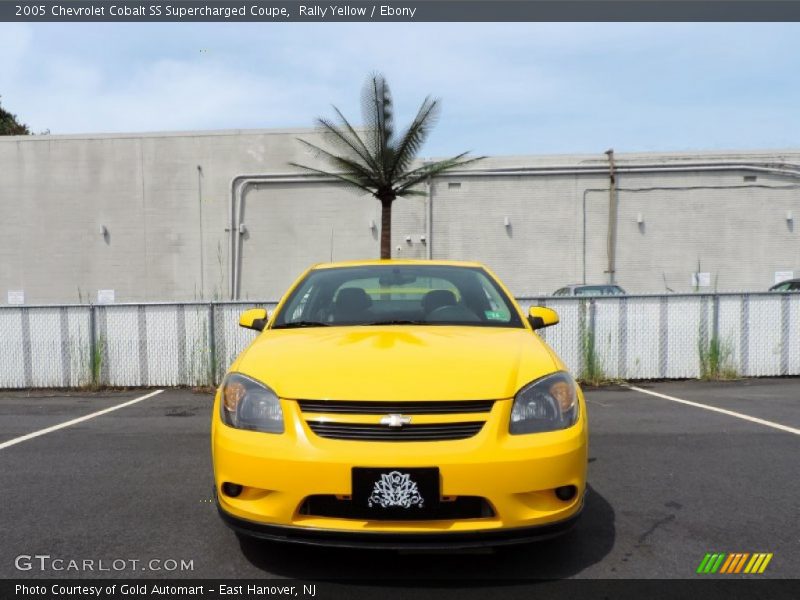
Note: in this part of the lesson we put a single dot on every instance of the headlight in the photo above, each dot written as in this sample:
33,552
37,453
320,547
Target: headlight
547,404
249,404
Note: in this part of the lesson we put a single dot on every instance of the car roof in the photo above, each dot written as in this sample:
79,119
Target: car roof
796,280
395,261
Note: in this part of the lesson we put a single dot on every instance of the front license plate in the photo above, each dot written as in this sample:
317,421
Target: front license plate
396,493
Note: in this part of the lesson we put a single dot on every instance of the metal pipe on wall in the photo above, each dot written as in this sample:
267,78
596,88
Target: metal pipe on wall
786,168
429,221
612,217
238,186
200,223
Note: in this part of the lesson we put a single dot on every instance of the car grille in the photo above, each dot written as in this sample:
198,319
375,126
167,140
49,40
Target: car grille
358,420
407,408
406,433
460,507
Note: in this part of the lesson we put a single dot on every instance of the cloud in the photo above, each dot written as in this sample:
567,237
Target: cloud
505,87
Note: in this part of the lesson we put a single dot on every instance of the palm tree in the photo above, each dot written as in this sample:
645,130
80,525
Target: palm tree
376,159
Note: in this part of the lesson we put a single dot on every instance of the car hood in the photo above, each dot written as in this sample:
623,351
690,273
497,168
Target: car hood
397,362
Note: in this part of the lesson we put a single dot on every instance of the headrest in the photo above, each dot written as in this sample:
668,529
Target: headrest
353,298
438,298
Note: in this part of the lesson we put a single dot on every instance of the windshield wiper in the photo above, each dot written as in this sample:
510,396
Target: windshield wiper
297,324
397,322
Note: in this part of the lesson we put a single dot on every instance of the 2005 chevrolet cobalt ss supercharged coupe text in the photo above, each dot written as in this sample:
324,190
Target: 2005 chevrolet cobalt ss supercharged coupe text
399,404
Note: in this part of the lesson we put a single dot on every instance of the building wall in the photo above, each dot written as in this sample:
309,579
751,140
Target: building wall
164,202
715,223
150,191
538,252
733,230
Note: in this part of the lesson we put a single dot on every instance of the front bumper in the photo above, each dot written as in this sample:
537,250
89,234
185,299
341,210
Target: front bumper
400,541
516,475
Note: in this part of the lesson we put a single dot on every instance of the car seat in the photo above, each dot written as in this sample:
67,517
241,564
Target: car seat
437,299
351,305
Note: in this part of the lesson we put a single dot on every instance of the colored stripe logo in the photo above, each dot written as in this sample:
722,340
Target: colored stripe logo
737,562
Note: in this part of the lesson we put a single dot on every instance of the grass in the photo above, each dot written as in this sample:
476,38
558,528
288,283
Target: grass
716,360
93,359
592,372
202,366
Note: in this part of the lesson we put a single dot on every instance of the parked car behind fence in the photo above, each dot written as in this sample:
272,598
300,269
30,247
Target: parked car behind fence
790,285
580,289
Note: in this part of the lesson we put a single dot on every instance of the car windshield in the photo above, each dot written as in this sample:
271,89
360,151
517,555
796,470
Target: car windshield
786,286
398,295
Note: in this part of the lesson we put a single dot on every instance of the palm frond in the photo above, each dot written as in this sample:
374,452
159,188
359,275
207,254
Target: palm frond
410,192
337,138
344,164
373,159
359,145
377,112
343,177
426,167
416,176
416,134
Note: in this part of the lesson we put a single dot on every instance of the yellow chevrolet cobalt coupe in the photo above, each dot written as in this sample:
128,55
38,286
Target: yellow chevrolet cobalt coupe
399,404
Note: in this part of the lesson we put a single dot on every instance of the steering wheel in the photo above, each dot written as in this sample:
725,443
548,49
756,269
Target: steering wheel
452,312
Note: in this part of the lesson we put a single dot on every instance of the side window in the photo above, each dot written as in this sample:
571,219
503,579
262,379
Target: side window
297,313
783,287
301,304
498,311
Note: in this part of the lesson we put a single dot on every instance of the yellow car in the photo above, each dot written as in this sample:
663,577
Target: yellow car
399,404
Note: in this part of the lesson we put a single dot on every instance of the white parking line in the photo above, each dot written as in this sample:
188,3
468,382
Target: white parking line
730,413
592,401
36,434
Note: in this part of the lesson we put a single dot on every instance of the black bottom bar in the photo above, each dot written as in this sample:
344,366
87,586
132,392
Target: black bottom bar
399,541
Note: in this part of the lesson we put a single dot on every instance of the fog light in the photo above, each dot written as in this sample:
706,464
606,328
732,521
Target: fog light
234,489
566,492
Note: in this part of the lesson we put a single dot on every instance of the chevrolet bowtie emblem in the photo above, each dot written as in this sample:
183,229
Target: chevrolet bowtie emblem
395,420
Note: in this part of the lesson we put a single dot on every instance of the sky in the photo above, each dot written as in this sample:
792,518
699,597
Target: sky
505,89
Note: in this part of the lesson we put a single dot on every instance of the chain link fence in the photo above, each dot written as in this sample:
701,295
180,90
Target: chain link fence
192,343
677,336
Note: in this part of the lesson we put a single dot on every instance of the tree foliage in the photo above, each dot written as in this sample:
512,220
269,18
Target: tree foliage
9,125
376,158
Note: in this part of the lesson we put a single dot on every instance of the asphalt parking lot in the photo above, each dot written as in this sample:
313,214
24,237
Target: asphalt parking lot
669,483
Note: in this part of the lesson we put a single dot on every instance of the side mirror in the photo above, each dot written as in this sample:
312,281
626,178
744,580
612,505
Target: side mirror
255,318
540,317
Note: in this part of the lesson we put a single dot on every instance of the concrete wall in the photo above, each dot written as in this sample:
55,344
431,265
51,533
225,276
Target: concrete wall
166,219
736,230
152,192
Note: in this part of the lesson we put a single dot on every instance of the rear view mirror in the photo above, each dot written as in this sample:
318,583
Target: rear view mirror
540,317
396,278
255,318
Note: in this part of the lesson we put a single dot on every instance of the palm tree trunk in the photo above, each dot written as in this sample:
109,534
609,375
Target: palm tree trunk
386,227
